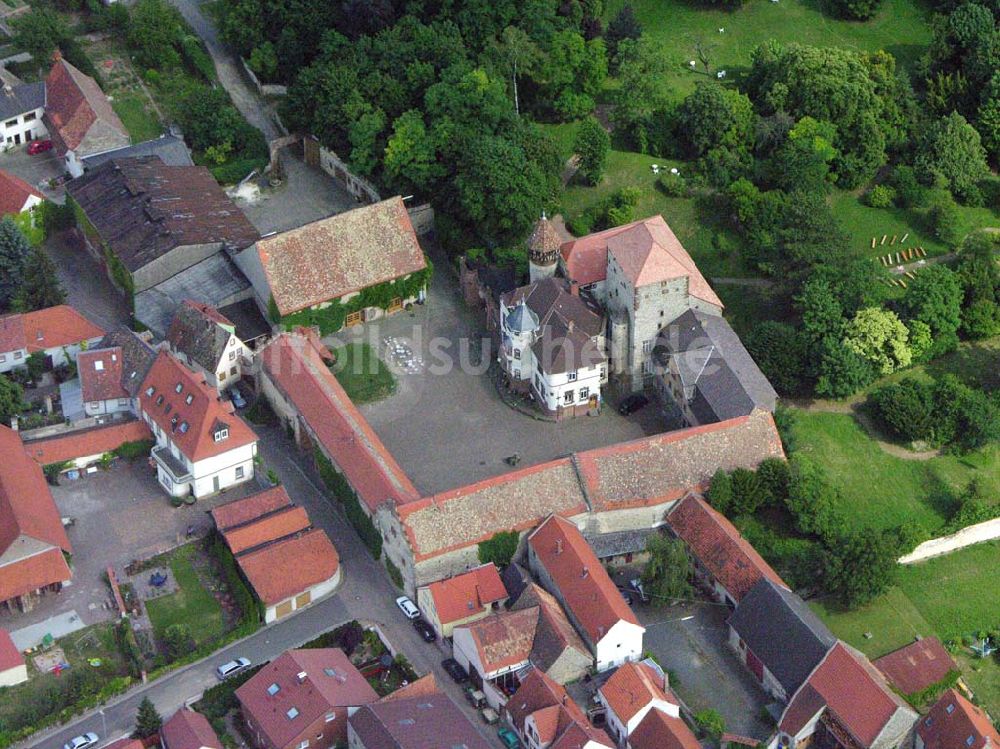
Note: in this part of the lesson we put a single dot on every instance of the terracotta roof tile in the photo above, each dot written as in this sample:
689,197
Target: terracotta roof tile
504,639
173,395
282,523
554,634
339,255
30,573
10,656
464,595
100,372
187,729
631,687
661,731
52,327
589,594
537,696
287,568
917,666
295,364
716,543
250,508
955,723
14,193
416,721
331,682
86,442
78,114
544,237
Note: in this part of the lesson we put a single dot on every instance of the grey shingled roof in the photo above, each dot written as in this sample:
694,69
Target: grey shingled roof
721,378
783,632
430,721
137,357
617,543
197,334
21,99
171,150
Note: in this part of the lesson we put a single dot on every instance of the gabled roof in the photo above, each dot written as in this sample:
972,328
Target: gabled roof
504,639
583,584
955,723
339,255
100,372
10,656
630,688
52,327
551,301
715,367
647,251
142,209
716,543
416,721
250,509
661,731
782,631
200,332
856,696
459,597
171,150
187,729
554,634
33,565
85,442
286,568
297,364
190,412
278,525
137,357
554,712
21,98
299,687
14,191
78,114
917,666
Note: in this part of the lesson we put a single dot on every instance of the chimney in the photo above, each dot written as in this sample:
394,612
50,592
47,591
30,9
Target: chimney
56,55
574,288
301,676
585,572
558,546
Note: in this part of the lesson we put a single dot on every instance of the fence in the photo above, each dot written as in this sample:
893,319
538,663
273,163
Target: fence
972,534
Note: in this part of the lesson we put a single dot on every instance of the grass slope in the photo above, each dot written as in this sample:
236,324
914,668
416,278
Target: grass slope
362,374
192,605
141,123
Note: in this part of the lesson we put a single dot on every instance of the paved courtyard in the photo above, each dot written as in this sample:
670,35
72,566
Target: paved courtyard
446,424
35,170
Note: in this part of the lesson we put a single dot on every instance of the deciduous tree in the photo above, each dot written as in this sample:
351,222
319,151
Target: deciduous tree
14,252
592,144
952,151
40,287
880,337
668,572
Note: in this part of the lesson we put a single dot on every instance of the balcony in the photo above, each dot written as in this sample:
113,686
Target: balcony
179,474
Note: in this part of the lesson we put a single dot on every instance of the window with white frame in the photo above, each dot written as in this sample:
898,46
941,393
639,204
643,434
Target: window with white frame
568,397
239,472
517,353
18,354
647,346
584,393
330,717
232,356
571,376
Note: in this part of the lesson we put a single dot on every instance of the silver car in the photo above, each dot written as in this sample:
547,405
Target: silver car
82,741
231,668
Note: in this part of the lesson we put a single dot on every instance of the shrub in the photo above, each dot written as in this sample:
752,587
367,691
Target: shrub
499,549
880,196
341,490
581,224
720,492
673,185
711,723
945,218
748,492
909,192
133,450
394,574
905,408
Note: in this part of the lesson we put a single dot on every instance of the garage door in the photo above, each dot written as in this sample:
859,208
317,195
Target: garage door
303,599
284,609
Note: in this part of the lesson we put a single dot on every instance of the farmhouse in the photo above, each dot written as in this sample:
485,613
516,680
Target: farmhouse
205,340
342,270
16,195
494,649
633,691
21,108
59,333
557,648
462,599
13,669
112,372
917,666
543,714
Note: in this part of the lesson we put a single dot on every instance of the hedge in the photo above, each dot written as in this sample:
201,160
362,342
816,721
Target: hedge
251,609
343,493
133,450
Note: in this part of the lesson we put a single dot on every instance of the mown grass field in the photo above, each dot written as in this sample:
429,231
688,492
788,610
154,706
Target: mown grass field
362,374
192,605
136,115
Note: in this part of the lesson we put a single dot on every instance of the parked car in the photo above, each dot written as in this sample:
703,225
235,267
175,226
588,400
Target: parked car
82,741
34,148
408,607
237,398
226,670
508,737
632,403
490,715
635,585
454,669
425,630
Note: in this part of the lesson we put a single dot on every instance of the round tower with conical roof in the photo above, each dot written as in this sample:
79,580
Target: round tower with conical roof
543,250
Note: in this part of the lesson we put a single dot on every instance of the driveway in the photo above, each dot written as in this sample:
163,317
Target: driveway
689,641
88,290
446,424
35,170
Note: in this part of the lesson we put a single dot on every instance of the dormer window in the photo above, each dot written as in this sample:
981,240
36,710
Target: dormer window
99,366
150,390
292,713
178,387
173,423
159,399
221,434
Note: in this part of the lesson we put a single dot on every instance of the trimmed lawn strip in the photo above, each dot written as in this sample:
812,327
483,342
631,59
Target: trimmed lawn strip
142,125
362,374
192,605
892,620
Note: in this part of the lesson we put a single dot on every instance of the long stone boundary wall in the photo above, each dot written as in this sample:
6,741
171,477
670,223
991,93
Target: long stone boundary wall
973,534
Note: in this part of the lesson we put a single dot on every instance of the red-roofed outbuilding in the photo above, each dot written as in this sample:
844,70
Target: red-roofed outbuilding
16,195
13,669
461,599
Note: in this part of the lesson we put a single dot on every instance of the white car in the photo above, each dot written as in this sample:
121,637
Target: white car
81,742
408,607
231,668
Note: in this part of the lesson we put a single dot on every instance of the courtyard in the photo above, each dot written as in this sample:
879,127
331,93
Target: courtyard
446,424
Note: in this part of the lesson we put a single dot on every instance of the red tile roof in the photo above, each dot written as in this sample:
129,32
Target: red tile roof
954,721
661,731
716,543
86,442
584,585
340,255
26,504
29,573
287,568
648,252
250,508
14,193
166,390
554,712
462,596
75,105
129,743
851,690
331,682
504,639
189,730
282,523
100,372
52,327
10,656
295,364
917,666
630,688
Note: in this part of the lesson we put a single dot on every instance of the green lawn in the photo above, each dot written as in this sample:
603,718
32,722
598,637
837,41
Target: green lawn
362,374
137,116
880,490
893,621
901,28
192,605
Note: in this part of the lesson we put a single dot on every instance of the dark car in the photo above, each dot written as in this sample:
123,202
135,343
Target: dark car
237,398
632,403
458,674
425,630
39,146
626,595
